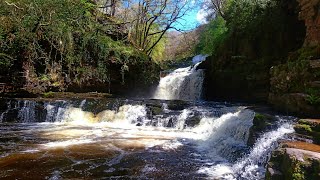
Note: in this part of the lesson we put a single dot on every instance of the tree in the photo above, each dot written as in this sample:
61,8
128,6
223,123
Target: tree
218,6
151,19
109,6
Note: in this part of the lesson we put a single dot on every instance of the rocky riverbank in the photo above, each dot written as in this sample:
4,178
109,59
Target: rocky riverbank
298,159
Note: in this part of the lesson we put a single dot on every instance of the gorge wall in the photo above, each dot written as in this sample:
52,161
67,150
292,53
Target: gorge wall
239,70
310,13
278,63
295,83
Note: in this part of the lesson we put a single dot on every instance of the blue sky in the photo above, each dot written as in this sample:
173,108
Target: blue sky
189,21
193,18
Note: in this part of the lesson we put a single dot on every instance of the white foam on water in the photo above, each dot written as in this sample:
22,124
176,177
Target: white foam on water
199,58
27,112
216,139
250,166
67,143
182,84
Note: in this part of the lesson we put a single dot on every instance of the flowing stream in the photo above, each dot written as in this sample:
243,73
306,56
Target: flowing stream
134,139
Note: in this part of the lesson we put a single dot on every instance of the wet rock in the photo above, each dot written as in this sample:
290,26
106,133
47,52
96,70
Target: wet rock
314,123
193,119
170,123
275,174
156,110
177,105
301,145
11,116
293,163
261,123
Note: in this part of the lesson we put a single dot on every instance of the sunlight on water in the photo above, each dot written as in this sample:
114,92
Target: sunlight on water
209,140
135,139
249,167
66,143
183,84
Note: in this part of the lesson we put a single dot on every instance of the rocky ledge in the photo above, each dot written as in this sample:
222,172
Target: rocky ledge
298,159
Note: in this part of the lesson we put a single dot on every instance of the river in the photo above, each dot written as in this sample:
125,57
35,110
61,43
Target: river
157,138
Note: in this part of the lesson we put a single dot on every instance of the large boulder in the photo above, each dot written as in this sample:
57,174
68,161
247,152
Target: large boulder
297,160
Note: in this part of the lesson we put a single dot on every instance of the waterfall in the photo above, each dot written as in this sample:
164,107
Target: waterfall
183,83
211,137
27,112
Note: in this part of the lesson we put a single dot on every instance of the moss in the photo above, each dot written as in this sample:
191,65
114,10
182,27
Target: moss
156,110
298,176
315,126
259,116
49,94
313,97
303,128
260,121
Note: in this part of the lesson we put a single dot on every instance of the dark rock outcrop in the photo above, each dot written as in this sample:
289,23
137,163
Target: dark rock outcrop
310,13
261,123
239,71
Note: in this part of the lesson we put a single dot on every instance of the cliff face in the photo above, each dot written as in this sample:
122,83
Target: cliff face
239,70
310,13
294,85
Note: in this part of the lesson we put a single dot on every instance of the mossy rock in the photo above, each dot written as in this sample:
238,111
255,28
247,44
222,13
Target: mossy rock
261,122
193,121
308,128
303,129
48,94
177,105
293,164
156,110
313,123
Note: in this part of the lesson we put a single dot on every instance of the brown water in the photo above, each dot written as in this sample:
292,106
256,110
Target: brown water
54,151
60,140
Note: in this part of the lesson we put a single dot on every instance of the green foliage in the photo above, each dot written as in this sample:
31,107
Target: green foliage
5,61
55,39
313,96
212,37
159,50
259,116
49,94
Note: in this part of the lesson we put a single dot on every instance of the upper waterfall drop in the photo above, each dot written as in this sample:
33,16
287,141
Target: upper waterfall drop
183,83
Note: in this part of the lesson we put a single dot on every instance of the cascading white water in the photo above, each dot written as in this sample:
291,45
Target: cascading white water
27,112
250,167
183,83
213,135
